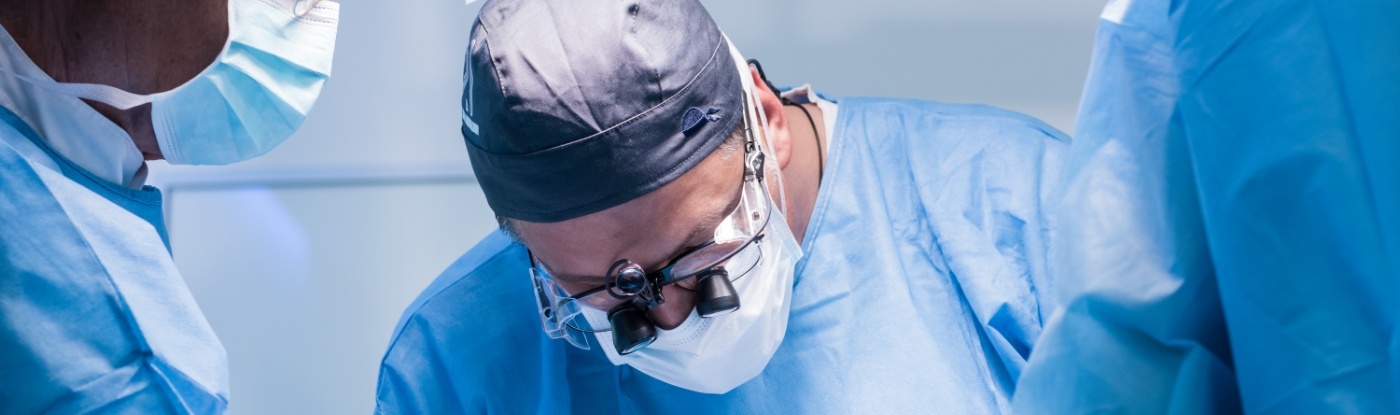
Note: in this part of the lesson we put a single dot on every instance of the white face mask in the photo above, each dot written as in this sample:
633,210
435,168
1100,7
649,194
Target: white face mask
717,354
255,94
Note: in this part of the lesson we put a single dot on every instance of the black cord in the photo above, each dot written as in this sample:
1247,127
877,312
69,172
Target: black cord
821,164
764,77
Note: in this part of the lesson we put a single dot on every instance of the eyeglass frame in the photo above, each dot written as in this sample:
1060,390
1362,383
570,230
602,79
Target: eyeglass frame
754,164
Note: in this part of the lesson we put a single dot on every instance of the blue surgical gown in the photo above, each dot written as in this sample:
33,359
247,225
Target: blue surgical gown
922,290
1230,238
94,317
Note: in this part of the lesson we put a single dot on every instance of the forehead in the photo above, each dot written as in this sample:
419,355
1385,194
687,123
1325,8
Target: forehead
648,230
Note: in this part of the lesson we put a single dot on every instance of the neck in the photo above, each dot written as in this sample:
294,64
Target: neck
802,176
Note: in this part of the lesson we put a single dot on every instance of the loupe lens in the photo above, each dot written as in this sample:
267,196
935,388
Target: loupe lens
631,330
630,280
717,295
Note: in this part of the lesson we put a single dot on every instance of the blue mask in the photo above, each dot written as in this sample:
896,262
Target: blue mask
257,92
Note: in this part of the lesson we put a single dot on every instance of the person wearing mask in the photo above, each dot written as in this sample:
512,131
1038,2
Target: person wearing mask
692,240
1230,240
94,316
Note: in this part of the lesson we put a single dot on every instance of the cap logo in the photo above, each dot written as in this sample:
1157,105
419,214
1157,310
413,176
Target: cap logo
694,118
467,99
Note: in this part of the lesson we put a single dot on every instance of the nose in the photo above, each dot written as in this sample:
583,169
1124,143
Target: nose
679,303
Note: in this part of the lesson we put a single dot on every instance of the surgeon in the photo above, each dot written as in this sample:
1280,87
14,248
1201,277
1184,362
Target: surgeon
94,317
1230,240
679,237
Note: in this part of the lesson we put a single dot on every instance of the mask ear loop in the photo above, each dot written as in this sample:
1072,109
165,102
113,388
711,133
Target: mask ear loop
758,119
821,160
768,146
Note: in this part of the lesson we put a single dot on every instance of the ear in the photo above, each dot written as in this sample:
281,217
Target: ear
772,108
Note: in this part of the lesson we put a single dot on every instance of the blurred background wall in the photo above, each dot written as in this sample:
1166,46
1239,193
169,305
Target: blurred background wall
304,259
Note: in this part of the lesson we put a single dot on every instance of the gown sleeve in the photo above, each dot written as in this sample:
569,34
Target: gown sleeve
1229,239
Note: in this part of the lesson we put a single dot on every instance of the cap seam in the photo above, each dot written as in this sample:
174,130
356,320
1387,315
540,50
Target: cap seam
640,115
491,60
651,180
655,72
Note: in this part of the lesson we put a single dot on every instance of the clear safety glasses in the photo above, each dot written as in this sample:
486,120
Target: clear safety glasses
628,290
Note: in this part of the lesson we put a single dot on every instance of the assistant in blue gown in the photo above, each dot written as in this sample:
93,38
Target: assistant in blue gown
94,317
1230,238
922,290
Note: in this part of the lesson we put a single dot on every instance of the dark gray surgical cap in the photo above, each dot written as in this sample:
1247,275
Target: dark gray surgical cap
571,107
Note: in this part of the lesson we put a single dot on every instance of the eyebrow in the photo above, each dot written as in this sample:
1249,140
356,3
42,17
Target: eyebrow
706,223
